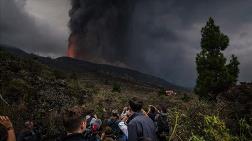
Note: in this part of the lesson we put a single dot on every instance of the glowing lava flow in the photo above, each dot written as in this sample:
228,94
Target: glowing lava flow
72,44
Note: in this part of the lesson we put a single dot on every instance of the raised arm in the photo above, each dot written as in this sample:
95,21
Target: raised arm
5,121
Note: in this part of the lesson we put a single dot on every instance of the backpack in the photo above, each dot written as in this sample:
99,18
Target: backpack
162,124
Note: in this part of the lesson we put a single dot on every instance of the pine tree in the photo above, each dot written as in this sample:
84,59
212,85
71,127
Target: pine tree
233,70
214,75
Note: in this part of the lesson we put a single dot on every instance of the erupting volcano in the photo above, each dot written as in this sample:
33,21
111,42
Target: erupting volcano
99,30
72,45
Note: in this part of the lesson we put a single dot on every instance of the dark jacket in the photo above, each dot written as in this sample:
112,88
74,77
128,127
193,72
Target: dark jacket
28,136
141,126
152,116
73,137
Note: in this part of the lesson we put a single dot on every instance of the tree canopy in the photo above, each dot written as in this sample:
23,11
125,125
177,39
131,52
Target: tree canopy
214,74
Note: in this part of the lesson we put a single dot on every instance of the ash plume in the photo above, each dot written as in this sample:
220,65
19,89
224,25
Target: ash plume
101,28
125,33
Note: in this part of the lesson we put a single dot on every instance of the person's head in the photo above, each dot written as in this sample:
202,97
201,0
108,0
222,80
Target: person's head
125,109
115,115
106,115
152,109
96,125
135,104
108,130
74,120
29,125
91,112
162,108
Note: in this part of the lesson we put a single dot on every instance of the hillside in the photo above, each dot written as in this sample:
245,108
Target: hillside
101,70
33,90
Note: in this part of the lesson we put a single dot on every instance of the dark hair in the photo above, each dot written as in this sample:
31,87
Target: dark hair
72,118
108,130
115,115
90,112
162,108
144,139
136,104
106,115
152,109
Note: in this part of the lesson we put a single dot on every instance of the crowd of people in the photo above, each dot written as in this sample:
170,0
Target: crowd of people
132,124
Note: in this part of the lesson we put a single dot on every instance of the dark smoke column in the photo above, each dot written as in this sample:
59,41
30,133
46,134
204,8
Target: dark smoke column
99,29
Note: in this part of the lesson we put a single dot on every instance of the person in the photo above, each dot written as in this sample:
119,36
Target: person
3,133
124,129
29,133
124,112
152,112
106,119
93,126
162,123
122,125
139,125
107,134
75,124
5,121
91,118
114,124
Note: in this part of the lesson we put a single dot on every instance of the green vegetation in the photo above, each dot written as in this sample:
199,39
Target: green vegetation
215,129
116,88
186,98
245,130
161,92
214,75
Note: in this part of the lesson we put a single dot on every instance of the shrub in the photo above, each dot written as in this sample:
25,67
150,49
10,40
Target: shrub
215,129
161,92
59,74
116,88
15,91
186,98
196,138
245,130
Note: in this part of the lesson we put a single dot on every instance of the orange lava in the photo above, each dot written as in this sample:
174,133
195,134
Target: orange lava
72,44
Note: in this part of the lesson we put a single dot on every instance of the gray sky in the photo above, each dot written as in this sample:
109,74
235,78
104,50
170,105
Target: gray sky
168,32
53,12
36,26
